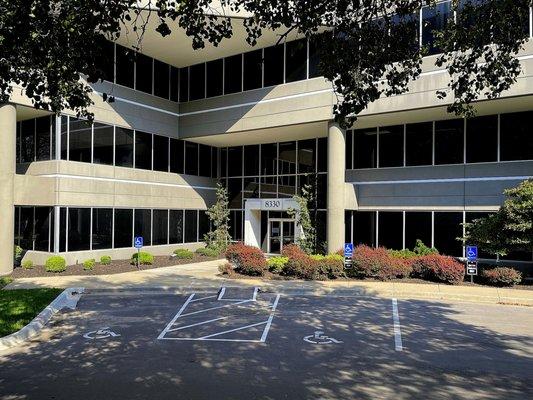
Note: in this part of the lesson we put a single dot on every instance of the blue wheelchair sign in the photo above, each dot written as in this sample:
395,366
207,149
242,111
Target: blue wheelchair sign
138,242
471,253
348,249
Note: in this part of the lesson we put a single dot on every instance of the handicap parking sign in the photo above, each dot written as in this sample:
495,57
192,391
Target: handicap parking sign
138,242
348,249
471,253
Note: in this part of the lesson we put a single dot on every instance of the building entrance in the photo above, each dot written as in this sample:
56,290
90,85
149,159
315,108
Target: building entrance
280,233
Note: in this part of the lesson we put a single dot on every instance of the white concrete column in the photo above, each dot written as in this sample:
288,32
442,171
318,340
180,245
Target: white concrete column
8,140
336,179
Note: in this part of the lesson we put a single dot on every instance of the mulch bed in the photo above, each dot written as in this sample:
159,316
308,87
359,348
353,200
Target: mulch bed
116,267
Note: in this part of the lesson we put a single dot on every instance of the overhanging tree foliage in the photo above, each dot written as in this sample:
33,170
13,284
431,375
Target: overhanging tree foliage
370,48
508,230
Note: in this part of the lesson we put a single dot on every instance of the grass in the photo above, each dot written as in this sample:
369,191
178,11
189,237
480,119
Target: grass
19,307
4,281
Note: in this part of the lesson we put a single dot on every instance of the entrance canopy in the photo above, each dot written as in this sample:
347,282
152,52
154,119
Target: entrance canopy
252,217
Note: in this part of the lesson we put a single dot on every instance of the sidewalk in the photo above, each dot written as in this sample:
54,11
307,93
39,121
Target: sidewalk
204,276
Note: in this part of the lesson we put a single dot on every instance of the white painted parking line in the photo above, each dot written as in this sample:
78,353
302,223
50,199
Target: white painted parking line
183,307
397,329
223,292
173,328
203,298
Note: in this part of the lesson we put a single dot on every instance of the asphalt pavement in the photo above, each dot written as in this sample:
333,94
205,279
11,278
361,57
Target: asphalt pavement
242,343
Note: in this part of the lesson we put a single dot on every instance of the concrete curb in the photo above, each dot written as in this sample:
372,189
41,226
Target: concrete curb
68,298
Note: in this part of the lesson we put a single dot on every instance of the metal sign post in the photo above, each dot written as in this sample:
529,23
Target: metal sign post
471,262
138,243
348,255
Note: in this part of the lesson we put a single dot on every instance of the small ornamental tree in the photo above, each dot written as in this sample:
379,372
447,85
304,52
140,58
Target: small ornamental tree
511,228
218,238
308,239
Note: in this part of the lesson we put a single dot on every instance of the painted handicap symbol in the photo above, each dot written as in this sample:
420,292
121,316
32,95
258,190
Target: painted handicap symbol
319,338
102,333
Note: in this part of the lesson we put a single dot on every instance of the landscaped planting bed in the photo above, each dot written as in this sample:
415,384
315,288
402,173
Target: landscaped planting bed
421,265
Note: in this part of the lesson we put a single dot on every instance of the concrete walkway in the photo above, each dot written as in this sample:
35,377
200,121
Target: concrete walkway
205,275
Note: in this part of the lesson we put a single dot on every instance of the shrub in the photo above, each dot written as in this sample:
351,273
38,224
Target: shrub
248,260
145,258
226,269
88,265
184,254
17,253
502,276
330,266
208,252
378,263
405,254
422,250
302,266
438,268
27,264
105,260
292,250
277,264
55,264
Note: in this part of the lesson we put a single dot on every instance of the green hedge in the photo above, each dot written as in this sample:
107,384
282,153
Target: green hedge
105,260
145,258
27,264
207,252
184,254
56,264
89,264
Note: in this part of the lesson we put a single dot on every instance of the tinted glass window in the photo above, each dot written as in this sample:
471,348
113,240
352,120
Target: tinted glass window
268,187
176,156
123,228
251,188
79,229
205,160
80,140
215,77
143,73
62,229
235,161
391,230
482,139
234,187
197,82
160,153
306,156
469,218
447,228
322,156
269,159
43,217
26,227
203,225
160,233
214,162
191,224
107,61
449,141
349,150
125,67
273,63
251,160
143,150
191,158
417,226
286,186
102,228
27,141
391,146
184,84
322,191
516,136
64,137
123,147
176,226
174,84
143,225
233,74
253,70
419,144
296,68
42,137
434,19
161,79
103,144
365,148
364,228
314,57
287,158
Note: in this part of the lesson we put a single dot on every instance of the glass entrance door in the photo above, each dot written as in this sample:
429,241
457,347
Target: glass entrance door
281,233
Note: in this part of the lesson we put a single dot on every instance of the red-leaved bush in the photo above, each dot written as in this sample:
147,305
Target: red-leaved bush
502,276
438,268
248,260
293,250
377,263
301,265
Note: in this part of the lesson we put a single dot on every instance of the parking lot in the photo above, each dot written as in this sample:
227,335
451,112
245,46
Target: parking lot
247,344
